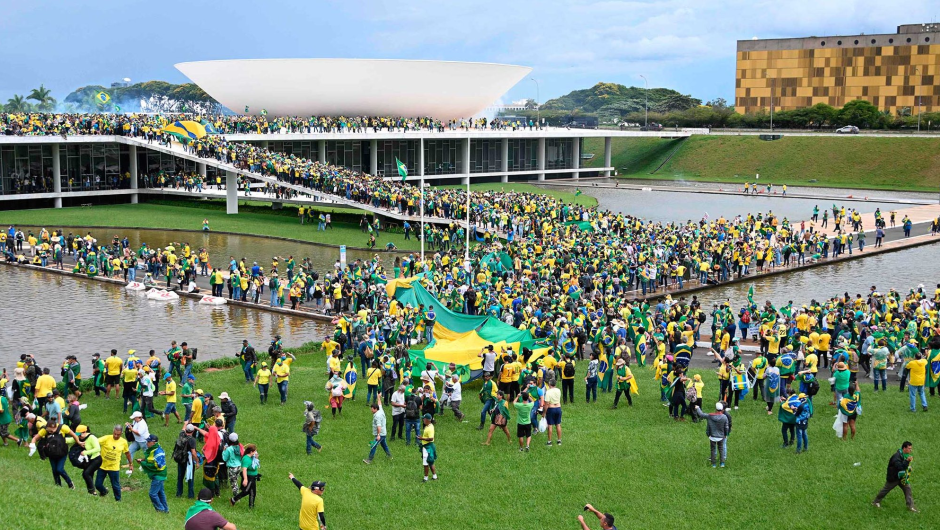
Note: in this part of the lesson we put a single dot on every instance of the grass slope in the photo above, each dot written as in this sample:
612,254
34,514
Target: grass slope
629,155
910,164
253,221
636,463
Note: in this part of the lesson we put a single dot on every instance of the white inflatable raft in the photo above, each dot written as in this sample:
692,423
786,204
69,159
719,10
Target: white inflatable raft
162,296
212,300
135,286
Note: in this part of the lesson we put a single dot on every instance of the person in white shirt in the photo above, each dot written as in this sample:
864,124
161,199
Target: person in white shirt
140,430
489,359
398,413
452,395
148,387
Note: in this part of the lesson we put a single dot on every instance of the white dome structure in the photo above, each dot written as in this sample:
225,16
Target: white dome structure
354,87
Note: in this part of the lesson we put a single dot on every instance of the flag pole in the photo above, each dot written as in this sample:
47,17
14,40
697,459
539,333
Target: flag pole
421,185
466,254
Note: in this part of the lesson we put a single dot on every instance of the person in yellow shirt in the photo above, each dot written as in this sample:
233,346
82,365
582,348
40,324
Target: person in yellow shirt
54,429
112,447
262,380
282,374
196,416
44,384
114,365
917,373
312,516
129,378
171,400
567,367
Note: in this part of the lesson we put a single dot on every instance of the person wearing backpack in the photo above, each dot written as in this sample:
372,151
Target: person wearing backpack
412,416
184,454
154,465
312,420
55,449
567,378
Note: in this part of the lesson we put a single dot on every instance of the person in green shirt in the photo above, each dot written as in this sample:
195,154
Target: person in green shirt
91,455
250,466
523,419
500,418
841,376
186,395
6,418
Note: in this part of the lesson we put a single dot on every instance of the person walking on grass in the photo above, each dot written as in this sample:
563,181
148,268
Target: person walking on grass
428,449
551,403
112,448
56,449
717,432
379,431
250,467
500,417
154,465
232,456
899,473
312,420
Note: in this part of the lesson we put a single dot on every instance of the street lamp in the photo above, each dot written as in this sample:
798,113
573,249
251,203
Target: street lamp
538,107
647,92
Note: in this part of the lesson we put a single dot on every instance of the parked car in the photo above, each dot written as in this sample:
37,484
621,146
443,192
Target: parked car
848,129
652,127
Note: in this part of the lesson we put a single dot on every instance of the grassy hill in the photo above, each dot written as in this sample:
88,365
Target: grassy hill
911,164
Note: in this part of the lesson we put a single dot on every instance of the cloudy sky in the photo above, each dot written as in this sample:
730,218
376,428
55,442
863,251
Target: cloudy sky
688,45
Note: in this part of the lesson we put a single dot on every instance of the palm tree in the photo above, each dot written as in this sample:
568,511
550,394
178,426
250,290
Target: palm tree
43,98
17,104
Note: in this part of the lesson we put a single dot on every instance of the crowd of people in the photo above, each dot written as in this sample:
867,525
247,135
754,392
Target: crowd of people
142,124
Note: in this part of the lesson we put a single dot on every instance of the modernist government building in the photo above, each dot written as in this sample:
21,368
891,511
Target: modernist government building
897,72
87,169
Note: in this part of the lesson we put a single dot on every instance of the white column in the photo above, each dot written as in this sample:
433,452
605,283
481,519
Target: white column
132,152
373,157
505,176
56,174
201,167
420,157
575,156
231,192
321,149
540,158
607,155
465,164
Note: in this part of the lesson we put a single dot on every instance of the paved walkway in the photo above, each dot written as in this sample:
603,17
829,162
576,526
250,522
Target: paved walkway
924,214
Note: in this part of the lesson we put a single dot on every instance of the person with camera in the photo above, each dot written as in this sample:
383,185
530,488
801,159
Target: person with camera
607,520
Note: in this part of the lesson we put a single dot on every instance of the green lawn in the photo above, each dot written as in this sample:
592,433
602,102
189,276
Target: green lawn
522,187
909,164
629,155
250,220
633,462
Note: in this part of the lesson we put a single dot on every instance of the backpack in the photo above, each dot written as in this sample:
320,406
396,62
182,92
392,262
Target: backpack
812,387
74,454
411,409
55,444
180,449
746,317
272,283
569,369
701,317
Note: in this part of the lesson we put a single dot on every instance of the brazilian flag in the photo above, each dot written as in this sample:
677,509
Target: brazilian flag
402,169
102,98
849,406
933,358
350,376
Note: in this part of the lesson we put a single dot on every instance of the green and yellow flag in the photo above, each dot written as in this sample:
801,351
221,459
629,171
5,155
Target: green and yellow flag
102,98
402,169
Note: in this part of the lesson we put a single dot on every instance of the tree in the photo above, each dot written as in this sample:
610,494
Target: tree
861,113
17,104
531,104
43,98
718,104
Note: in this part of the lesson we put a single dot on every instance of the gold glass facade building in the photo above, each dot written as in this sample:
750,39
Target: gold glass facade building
898,72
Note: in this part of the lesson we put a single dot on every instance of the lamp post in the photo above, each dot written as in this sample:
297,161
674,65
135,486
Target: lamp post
538,106
646,119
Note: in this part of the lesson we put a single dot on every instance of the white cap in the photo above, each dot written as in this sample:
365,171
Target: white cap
137,414
719,406
223,395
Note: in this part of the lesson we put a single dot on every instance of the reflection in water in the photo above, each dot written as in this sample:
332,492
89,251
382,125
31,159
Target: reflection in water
52,316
